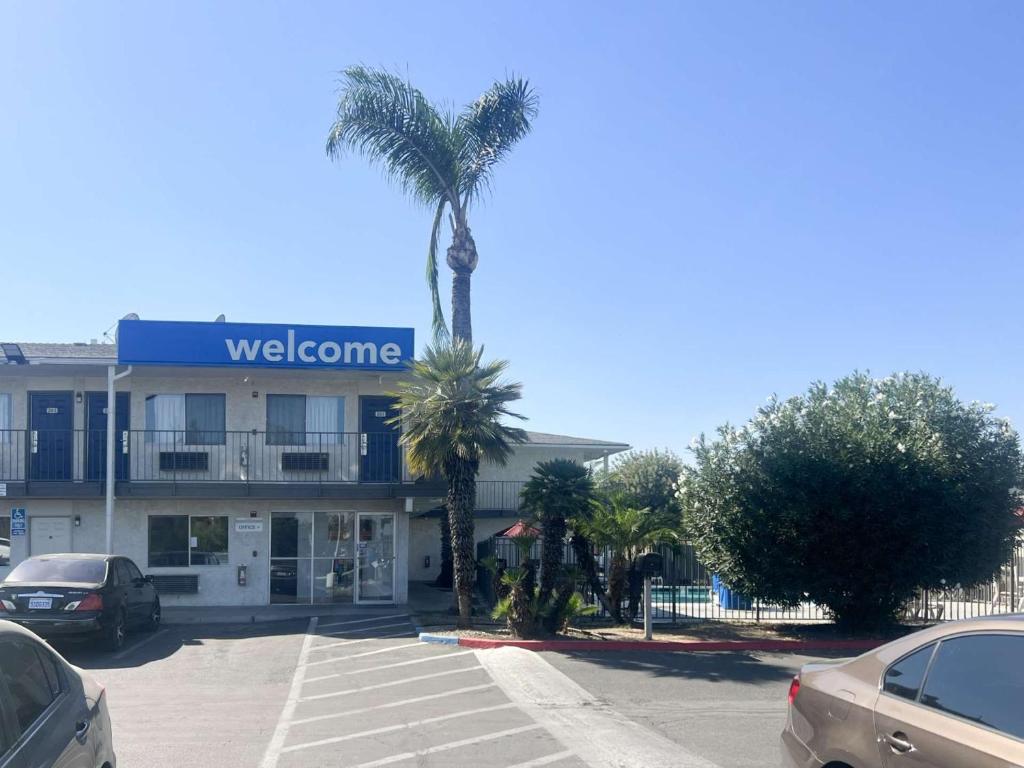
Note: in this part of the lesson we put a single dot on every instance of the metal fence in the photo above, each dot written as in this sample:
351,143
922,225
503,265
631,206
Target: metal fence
687,591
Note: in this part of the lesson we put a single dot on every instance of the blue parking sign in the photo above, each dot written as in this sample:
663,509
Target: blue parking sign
18,521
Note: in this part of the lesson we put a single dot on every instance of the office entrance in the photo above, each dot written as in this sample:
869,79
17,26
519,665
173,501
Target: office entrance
332,557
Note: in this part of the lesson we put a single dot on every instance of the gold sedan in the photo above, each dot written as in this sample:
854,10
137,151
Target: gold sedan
950,696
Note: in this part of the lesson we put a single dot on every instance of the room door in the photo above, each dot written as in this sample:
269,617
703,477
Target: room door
51,438
380,457
49,535
96,435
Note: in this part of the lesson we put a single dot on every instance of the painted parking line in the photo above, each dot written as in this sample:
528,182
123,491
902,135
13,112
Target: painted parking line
366,629
367,653
364,621
363,640
390,684
144,641
393,704
273,753
546,760
446,747
402,727
389,666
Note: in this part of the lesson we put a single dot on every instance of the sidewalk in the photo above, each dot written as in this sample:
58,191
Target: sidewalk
253,614
424,600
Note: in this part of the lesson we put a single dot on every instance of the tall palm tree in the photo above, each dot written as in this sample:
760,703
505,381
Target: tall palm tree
452,409
441,159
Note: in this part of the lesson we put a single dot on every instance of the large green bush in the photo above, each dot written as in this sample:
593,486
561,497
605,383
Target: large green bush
855,496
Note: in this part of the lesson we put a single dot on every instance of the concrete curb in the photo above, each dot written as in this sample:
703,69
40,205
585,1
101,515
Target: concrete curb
691,646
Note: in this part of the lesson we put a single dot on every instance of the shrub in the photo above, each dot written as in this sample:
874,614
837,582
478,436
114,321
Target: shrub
856,496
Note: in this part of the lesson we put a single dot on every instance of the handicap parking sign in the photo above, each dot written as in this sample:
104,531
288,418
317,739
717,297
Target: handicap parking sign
18,521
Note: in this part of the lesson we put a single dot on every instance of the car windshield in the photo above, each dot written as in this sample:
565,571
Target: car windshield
55,569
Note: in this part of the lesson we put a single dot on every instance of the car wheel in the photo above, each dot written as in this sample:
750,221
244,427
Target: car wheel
115,633
153,620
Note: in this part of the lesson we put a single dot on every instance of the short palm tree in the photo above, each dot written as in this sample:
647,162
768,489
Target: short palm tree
441,159
453,411
557,491
626,532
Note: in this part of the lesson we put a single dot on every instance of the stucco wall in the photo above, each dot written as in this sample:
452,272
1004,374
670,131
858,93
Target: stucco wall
217,583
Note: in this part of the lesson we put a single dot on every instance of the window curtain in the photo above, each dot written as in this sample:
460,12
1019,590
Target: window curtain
165,416
5,417
286,420
325,420
204,420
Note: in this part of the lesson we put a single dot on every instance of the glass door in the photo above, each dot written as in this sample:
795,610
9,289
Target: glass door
333,557
375,558
291,562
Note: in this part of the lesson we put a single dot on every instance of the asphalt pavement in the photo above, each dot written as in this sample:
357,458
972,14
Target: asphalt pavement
360,691
728,708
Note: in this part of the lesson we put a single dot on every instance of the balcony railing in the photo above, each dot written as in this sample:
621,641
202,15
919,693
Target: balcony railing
192,456
500,495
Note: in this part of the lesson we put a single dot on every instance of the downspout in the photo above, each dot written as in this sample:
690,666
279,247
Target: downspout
111,423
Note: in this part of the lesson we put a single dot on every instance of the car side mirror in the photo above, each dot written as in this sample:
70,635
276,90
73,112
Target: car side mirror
148,579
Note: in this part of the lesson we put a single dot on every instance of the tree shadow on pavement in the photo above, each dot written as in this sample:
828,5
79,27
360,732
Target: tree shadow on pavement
143,648
732,666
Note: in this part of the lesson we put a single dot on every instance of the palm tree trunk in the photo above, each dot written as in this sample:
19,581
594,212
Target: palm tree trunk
461,476
551,554
585,559
462,258
444,579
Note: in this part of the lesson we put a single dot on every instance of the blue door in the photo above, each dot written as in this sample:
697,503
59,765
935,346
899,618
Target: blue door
380,457
96,435
51,438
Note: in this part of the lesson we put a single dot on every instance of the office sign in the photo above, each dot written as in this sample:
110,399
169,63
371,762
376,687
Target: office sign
160,342
18,521
245,525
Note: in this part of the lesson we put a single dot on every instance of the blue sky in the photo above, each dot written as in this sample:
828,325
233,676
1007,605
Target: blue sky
719,201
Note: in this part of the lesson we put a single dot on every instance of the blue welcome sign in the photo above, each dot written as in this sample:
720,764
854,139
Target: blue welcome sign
163,342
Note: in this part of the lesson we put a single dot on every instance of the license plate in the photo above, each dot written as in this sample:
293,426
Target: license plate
40,603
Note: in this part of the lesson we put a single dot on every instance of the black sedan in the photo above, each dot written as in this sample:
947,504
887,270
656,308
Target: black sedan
79,594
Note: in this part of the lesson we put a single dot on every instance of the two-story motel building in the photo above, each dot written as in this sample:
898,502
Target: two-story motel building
250,463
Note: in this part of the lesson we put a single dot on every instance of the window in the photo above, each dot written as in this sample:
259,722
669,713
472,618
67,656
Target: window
305,420
904,678
209,543
57,569
31,691
168,541
979,678
178,541
165,418
5,418
204,420
200,417
286,420
124,578
133,570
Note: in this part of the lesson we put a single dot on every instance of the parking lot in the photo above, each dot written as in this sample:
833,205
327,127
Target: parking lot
361,691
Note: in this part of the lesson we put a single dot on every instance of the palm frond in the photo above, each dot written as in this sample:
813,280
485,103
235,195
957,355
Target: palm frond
487,129
440,328
386,120
454,407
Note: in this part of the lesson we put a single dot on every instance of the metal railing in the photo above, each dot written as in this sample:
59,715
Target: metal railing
499,495
197,456
687,591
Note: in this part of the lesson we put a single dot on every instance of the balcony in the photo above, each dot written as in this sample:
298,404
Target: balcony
228,464
499,495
